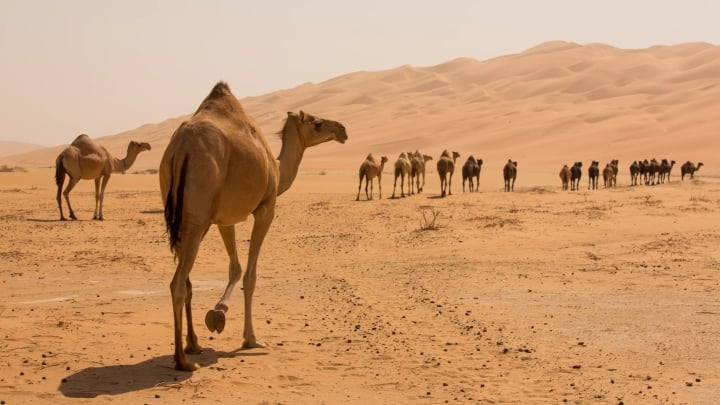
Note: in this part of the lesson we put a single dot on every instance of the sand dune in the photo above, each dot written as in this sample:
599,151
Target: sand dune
594,99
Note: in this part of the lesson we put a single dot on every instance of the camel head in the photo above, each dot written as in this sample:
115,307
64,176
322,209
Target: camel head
314,130
455,155
383,160
427,157
137,147
479,162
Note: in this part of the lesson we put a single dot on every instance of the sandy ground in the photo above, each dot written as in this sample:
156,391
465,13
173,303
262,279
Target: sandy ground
536,296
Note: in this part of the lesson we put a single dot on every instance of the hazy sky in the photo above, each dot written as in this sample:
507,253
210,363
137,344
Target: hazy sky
102,67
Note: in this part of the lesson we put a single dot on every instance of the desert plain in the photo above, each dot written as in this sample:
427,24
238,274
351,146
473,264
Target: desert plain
534,296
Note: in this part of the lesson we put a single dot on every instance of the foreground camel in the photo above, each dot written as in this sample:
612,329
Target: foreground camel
446,168
470,171
369,169
509,174
689,168
218,169
85,159
575,175
565,177
402,170
593,175
418,161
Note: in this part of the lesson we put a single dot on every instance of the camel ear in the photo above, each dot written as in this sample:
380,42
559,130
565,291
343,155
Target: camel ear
302,115
290,113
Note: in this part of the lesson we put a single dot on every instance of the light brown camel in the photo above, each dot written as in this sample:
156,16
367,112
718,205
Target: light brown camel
471,172
446,168
369,169
85,159
402,170
218,169
509,174
417,169
689,168
565,176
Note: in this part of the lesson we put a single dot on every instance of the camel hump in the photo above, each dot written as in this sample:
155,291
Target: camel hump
370,157
221,89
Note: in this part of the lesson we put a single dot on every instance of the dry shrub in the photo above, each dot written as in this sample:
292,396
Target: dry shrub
429,219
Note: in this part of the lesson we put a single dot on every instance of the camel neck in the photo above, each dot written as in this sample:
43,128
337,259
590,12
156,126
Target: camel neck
121,165
291,154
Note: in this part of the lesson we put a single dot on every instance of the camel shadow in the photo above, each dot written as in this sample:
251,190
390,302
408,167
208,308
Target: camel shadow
123,378
53,220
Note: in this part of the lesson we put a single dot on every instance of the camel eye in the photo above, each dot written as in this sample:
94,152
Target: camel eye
318,125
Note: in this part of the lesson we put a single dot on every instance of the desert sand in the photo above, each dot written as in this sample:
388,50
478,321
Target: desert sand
535,296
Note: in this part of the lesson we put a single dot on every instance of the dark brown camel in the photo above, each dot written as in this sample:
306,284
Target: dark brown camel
593,175
665,169
510,174
575,175
471,171
689,168
634,173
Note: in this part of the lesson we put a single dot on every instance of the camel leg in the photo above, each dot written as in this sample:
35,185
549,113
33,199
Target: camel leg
215,318
192,341
71,184
449,186
359,187
402,186
372,184
263,219
394,185
179,286
380,185
59,198
99,198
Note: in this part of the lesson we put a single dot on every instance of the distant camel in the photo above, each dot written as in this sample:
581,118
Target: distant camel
608,176
665,169
565,177
85,159
218,169
446,168
575,175
634,173
689,168
593,175
653,170
402,170
644,167
470,170
615,167
369,169
510,174
417,168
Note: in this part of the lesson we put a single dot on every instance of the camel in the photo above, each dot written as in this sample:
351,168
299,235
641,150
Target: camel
634,173
575,175
418,162
446,168
218,169
470,170
608,176
509,174
665,169
85,159
402,170
369,169
615,165
689,168
644,166
593,175
653,170
565,177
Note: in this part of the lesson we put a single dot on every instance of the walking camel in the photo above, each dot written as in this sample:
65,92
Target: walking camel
418,162
565,177
218,169
593,175
446,168
509,174
470,171
575,175
665,169
85,159
369,169
608,176
634,173
689,168
402,170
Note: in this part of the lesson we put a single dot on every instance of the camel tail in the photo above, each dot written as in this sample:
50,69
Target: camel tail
59,171
174,206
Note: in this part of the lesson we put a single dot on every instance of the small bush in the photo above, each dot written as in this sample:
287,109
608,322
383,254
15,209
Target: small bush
429,219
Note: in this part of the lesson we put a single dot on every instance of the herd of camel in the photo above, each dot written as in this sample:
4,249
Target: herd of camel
410,167
218,170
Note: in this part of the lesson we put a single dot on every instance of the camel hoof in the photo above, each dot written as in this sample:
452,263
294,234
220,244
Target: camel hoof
215,320
252,345
63,219
186,366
